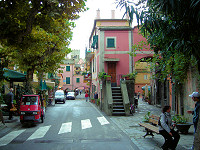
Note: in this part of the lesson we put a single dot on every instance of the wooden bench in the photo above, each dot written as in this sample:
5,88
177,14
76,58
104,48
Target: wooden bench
151,126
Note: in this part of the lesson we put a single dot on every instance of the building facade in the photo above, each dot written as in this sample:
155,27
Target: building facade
110,45
70,73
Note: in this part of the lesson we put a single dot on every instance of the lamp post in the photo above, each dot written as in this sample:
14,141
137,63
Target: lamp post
72,77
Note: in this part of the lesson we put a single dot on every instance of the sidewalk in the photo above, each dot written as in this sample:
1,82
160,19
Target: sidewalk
129,125
9,124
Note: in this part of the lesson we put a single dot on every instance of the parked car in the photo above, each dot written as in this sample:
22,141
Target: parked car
60,96
31,109
71,96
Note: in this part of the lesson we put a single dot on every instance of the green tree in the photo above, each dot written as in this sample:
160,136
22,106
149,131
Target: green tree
172,29
38,32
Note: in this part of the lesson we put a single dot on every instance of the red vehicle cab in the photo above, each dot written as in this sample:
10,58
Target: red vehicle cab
31,109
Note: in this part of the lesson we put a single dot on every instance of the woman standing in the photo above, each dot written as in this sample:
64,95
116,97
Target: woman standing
166,130
86,96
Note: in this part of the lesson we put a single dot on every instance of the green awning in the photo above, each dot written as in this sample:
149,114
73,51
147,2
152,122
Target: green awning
149,88
14,75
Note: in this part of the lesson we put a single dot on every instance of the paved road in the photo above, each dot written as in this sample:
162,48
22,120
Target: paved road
76,125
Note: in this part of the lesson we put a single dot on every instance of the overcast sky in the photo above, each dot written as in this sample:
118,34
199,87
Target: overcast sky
84,24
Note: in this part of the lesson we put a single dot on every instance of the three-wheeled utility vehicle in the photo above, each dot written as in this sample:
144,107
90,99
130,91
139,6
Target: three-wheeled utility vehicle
31,109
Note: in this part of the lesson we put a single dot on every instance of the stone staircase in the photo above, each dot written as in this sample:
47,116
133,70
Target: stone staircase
118,107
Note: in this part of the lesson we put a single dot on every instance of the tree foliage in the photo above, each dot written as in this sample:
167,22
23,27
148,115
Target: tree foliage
38,32
172,30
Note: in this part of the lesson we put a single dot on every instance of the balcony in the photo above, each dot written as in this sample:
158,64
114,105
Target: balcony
89,55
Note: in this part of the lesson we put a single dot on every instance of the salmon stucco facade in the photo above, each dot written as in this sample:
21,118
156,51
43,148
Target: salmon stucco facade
110,45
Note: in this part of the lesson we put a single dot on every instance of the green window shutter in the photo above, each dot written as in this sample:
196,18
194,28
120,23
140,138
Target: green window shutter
67,80
67,68
77,80
49,75
95,42
110,43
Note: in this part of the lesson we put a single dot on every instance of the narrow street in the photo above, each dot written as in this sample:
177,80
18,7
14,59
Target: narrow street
76,125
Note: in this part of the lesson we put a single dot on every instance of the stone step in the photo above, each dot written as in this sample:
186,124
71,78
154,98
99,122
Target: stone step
116,91
117,100
115,87
117,97
118,110
117,103
116,94
118,114
118,107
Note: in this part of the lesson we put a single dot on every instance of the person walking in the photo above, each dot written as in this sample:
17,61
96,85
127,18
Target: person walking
95,97
86,96
196,98
138,95
166,130
9,102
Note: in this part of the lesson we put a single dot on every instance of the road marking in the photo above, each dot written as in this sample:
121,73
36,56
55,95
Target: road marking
86,124
103,120
9,137
65,128
39,133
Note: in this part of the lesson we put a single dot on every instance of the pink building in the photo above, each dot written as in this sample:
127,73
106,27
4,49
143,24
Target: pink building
110,43
70,74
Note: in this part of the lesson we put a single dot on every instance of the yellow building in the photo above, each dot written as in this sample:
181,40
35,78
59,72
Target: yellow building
143,76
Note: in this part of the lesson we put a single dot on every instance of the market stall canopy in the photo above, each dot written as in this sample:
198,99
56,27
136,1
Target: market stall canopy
149,88
14,75
48,83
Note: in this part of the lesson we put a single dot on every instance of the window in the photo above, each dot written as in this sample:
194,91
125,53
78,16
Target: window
67,80
67,68
145,77
77,80
111,42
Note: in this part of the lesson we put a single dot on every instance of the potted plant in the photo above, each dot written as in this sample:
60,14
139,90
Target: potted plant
181,123
98,102
130,76
104,76
146,117
92,100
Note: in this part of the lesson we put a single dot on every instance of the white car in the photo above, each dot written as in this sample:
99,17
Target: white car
71,95
60,96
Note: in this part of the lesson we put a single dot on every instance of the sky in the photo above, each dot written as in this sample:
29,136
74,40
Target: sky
84,24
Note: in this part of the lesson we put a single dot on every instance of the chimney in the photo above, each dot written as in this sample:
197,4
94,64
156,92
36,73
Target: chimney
112,14
98,14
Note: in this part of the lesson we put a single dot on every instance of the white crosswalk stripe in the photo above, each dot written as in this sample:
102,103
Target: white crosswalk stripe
65,128
39,133
103,120
9,137
86,124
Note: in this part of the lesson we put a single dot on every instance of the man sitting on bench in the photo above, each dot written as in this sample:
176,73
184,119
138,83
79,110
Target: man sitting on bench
166,130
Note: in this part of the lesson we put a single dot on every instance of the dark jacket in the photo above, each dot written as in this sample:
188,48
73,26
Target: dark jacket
196,113
95,96
9,98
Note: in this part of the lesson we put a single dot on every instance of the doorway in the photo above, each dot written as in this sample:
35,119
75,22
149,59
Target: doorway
112,73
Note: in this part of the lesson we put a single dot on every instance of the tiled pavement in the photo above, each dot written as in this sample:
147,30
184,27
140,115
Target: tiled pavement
130,126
